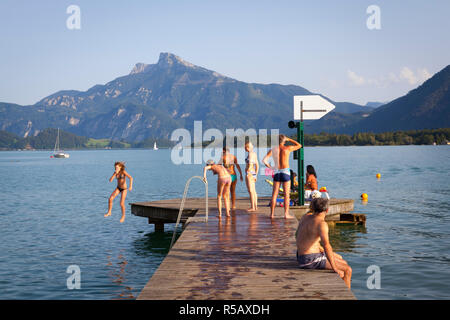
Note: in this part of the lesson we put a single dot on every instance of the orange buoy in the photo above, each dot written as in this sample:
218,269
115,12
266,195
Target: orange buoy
364,197
378,176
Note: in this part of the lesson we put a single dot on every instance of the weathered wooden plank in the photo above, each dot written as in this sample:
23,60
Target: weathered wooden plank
168,209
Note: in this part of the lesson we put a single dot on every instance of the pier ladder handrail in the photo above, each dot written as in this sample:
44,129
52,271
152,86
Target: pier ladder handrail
186,188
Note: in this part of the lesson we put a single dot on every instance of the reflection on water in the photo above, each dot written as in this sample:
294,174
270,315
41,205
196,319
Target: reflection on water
408,218
151,245
118,275
344,238
154,243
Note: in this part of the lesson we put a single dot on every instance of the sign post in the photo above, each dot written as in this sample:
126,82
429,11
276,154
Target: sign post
309,107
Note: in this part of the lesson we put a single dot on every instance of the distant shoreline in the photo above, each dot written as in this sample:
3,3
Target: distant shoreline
150,149
45,140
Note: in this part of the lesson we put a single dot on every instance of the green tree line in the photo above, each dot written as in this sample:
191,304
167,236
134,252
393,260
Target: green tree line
413,137
46,140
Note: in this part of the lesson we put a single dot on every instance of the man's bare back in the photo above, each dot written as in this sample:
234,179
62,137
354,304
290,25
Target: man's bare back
308,235
284,153
313,230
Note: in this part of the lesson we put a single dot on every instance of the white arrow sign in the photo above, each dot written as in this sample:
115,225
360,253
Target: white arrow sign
311,107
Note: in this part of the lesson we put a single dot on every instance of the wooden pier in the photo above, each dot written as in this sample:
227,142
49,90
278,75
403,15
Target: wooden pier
166,211
245,256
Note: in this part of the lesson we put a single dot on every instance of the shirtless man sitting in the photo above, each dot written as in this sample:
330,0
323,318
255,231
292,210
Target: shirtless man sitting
312,229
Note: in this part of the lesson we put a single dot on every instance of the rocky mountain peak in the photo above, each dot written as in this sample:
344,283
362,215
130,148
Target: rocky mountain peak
140,67
167,59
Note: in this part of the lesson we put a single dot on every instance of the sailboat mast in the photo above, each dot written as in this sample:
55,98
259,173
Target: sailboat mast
57,142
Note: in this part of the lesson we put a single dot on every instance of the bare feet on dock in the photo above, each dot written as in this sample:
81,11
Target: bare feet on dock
288,216
107,214
122,219
251,210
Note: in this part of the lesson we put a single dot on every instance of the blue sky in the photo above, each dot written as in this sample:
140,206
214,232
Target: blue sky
324,46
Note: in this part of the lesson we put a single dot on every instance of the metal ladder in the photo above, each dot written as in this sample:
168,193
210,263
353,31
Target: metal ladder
186,188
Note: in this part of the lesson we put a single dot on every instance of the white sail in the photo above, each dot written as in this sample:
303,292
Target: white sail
57,153
154,146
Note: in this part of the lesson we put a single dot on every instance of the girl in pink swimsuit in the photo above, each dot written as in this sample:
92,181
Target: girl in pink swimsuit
223,185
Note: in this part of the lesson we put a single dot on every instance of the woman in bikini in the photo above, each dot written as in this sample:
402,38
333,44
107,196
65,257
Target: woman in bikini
120,174
229,161
223,185
251,170
311,181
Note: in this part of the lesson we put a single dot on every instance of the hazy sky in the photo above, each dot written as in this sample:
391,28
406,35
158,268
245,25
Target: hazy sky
324,46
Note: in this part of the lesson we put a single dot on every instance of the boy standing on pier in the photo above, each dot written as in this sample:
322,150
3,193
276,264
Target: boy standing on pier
312,229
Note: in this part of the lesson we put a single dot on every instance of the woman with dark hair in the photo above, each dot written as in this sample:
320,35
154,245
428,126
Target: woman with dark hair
311,181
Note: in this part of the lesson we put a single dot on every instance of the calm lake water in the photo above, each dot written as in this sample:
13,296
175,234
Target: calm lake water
52,217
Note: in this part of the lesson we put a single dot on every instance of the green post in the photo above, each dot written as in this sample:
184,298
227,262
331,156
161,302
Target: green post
301,165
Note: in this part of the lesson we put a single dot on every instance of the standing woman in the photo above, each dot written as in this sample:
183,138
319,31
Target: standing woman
223,185
251,170
229,161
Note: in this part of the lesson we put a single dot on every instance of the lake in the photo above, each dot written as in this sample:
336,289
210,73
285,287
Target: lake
52,218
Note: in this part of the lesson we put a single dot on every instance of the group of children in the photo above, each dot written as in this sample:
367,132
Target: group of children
312,228
227,178
227,175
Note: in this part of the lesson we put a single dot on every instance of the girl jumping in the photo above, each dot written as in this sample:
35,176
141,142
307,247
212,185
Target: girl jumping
120,174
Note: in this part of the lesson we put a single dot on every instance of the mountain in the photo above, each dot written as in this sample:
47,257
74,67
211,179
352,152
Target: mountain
334,122
375,104
46,140
348,107
426,107
154,99
10,141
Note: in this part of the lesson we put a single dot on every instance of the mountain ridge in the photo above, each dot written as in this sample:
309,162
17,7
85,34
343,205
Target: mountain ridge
425,107
155,99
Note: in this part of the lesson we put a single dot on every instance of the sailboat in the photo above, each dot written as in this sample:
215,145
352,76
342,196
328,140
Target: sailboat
154,146
58,153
